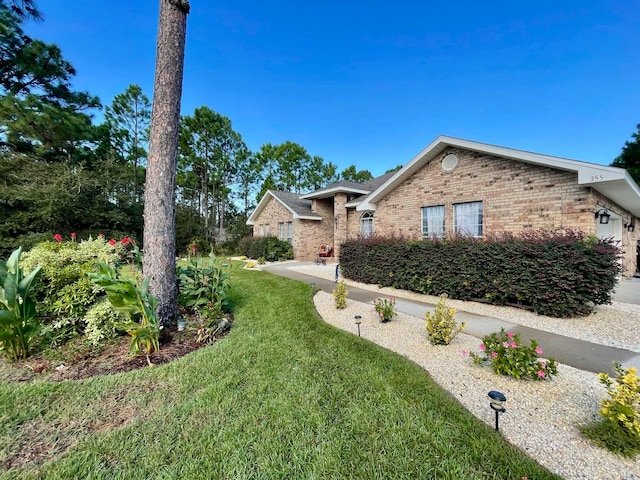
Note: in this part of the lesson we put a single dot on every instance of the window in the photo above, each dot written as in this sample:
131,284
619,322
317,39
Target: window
280,230
261,230
290,232
266,230
366,224
468,218
433,221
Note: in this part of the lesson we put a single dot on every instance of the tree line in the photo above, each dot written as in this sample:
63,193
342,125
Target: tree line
64,172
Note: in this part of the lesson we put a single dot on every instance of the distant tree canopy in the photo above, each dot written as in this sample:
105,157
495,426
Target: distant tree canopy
61,173
351,174
629,158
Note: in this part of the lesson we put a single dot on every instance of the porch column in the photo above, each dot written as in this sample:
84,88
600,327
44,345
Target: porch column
339,222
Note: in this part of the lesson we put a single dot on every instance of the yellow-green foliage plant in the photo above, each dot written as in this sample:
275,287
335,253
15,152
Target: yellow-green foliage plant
442,326
340,295
622,408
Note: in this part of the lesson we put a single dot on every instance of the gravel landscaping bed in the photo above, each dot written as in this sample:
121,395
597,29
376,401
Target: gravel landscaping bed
542,418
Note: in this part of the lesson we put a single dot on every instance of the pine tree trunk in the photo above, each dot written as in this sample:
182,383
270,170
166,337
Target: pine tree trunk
159,209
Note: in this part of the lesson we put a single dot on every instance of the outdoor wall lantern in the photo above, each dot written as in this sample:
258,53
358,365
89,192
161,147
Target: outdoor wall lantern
630,226
604,216
358,322
182,324
496,403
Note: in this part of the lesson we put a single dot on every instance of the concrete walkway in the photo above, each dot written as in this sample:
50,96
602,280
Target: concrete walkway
580,354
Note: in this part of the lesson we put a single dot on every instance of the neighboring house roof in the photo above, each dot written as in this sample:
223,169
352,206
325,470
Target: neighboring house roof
299,207
612,182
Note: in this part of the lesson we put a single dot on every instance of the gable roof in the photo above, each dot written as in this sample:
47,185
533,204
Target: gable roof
345,186
299,208
612,182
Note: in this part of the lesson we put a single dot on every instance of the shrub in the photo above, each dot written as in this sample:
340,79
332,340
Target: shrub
509,356
385,308
65,292
622,408
340,295
442,327
559,273
270,248
102,321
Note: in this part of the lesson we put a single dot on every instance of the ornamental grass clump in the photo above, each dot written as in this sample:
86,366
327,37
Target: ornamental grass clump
509,356
442,327
340,295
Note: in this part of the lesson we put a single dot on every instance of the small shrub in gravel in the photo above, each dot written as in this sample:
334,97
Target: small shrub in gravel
442,326
340,295
619,430
509,356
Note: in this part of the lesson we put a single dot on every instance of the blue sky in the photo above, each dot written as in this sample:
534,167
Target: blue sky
371,83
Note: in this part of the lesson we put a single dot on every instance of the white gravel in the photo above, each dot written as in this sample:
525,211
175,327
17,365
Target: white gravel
542,418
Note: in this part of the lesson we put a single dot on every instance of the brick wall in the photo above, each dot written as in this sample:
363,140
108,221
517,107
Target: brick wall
515,196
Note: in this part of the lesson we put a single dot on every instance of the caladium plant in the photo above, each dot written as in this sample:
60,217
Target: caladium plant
18,321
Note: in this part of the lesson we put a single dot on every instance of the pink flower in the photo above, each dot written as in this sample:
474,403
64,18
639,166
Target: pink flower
482,347
538,350
513,345
73,235
543,364
464,353
101,235
541,374
125,241
510,335
57,237
494,354
505,344
112,242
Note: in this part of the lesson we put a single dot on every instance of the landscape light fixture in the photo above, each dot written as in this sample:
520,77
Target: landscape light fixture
181,326
630,226
604,216
313,289
358,322
496,403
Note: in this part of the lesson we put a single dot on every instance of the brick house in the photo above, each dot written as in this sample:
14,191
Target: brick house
456,185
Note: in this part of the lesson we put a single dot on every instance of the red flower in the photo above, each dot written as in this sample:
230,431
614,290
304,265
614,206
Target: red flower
73,235
112,242
57,237
125,241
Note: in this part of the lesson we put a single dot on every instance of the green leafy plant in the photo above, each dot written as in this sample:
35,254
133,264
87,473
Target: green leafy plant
204,292
340,293
509,356
18,321
385,308
442,327
136,304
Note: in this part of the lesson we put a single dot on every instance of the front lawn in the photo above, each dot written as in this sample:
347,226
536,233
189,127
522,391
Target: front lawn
282,396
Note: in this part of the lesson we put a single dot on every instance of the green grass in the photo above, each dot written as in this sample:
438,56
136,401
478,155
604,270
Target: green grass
282,396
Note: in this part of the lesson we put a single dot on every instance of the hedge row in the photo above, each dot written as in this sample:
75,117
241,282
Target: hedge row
560,274
269,248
